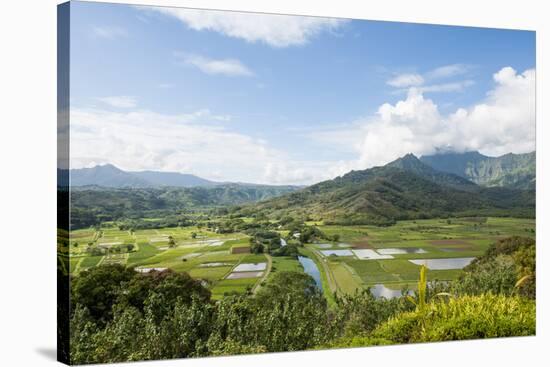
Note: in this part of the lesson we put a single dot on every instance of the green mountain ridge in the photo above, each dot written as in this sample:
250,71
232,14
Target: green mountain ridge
403,189
509,170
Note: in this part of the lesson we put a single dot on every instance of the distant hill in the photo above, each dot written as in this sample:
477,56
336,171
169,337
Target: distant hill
105,193
403,189
91,205
509,170
105,175
110,176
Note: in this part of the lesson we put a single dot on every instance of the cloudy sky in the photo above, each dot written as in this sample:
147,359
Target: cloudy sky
285,99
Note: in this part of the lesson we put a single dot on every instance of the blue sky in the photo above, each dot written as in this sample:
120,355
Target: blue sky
279,99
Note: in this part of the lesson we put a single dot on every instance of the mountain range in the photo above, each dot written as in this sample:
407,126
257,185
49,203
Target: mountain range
108,175
458,170
509,170
406,188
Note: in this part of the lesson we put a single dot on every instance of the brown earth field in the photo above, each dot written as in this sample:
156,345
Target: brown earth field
240,250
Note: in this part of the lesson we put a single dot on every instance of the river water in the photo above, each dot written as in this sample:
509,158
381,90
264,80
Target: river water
311,268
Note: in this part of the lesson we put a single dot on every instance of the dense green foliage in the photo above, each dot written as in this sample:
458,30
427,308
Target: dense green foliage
98,290
465,317
461,318
166,315
506,262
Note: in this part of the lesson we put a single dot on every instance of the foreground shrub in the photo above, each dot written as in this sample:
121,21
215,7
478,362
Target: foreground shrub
498,276
508,267
466,317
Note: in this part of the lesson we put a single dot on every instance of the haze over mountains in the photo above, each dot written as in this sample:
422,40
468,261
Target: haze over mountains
459,170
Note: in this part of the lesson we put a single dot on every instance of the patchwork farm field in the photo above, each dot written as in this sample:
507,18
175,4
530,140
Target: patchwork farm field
445,246
384,259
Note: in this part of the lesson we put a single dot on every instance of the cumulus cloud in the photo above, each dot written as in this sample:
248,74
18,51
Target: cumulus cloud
227,67
109,32
119,101
271,29
504,122
189,143
406,80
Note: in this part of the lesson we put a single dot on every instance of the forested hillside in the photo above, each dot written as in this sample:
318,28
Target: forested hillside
403,189
509,170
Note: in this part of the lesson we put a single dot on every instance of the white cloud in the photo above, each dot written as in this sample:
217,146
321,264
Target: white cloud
504,122
227,67
271,29
119,101
448,71
109,32
447,87
406,80
189,143
459,86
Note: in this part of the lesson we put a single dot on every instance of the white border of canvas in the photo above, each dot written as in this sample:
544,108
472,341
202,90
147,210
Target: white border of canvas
28,156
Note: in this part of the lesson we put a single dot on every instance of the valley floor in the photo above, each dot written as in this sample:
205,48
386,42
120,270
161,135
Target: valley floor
385,259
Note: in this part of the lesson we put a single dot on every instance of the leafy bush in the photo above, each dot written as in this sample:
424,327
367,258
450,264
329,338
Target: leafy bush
362,312
466,317
506,246
507,267
498,276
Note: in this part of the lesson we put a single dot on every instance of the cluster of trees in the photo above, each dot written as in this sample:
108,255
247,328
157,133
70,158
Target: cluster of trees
308,234
265,241
269,241
118,314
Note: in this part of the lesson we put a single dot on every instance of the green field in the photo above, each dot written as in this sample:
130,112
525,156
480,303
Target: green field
210,256
438,238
